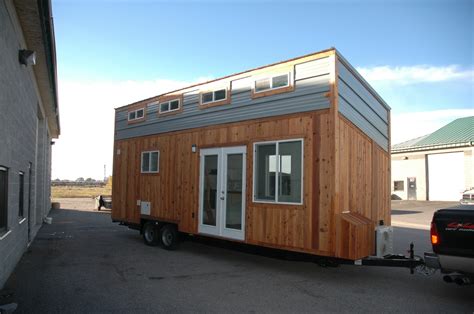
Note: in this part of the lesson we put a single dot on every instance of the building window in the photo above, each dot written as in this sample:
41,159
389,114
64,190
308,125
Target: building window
136,114
169,106
3,199
150,162
21,193
210,97
270,83
398,186
278,176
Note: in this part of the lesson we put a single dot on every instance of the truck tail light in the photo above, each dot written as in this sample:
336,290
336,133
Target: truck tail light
434,234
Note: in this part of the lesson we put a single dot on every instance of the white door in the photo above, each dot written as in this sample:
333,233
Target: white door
446,176
222,192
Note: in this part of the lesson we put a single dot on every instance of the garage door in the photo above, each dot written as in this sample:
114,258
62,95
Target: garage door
446,176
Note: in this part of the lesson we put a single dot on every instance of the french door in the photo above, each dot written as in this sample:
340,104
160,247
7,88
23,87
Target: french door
222,192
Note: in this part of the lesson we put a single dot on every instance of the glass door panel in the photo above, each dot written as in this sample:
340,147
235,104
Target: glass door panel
233,215
210,190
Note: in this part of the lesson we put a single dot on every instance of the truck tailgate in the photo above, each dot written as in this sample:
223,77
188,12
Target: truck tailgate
455,227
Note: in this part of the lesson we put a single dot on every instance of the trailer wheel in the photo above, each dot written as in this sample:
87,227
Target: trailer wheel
151,235
169,237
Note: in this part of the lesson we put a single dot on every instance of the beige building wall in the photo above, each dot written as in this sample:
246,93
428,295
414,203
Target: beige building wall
413,166
405,165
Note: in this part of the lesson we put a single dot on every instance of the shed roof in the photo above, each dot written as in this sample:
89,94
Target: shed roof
458,133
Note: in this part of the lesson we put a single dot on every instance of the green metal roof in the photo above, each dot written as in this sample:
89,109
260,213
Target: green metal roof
459,132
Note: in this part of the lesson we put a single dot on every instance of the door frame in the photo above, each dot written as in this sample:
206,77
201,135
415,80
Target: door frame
220,230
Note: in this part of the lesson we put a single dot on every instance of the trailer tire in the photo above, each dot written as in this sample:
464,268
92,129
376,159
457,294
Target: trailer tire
151,234
169,237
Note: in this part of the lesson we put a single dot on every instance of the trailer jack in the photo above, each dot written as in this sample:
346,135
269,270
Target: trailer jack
394,260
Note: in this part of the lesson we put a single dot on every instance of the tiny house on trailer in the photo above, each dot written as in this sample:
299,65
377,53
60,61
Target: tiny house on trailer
294,155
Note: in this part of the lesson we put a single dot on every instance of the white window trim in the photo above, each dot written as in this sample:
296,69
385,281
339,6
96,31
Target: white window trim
277,164
169,103
214,96
149,161
288,74
136,111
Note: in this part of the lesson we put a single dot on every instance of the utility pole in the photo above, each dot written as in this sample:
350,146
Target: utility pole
105,176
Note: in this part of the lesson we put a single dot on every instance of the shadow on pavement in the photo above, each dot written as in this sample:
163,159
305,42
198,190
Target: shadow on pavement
404,212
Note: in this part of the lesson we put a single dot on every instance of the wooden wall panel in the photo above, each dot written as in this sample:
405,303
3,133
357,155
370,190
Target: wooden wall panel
174,191
323,190
364,170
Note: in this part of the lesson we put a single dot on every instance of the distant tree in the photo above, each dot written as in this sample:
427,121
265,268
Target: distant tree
90,180
80,179
57,180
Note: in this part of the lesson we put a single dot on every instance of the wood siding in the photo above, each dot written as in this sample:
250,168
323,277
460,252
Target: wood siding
318,226
363,183
173,192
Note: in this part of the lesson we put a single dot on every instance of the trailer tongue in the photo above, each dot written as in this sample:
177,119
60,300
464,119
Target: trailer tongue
396,260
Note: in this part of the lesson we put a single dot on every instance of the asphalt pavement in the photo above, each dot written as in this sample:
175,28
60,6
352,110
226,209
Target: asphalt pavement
83,263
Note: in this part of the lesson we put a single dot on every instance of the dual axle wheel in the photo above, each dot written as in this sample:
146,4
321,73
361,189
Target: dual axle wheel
165,235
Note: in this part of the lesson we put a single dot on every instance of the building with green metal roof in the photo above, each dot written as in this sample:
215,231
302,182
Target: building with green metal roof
438,166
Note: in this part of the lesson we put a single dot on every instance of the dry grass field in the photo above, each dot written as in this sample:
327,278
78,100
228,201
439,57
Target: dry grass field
79,191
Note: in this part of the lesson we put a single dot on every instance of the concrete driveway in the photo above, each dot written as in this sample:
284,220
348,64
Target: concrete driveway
83,263
416,214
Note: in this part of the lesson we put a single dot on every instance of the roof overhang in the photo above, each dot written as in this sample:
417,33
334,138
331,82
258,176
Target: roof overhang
36,21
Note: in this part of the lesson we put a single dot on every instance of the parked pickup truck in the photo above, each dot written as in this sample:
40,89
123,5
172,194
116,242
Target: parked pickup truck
452,237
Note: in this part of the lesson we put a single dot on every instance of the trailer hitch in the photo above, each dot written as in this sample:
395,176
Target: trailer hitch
394,260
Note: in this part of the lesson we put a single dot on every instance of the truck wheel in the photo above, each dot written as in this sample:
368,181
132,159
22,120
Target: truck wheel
169,237
151,235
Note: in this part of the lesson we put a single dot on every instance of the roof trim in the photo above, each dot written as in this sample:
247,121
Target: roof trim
47,27
361,79
432,147
229,76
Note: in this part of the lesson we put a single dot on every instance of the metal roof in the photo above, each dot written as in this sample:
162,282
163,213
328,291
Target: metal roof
458,133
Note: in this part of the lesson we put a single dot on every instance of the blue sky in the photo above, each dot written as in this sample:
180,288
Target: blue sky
417,54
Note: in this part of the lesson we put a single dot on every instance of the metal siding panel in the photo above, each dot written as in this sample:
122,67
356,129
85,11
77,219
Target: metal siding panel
191,97
354,99
312,68
355,117
361,91
309,95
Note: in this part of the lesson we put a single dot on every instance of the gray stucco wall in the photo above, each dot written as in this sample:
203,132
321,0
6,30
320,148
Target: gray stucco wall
361,105
311,85
18,143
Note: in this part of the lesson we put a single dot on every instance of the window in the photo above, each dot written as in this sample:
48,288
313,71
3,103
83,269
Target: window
136,114
278,175
169,106
3,198
151,162
398,185
274,82
213,96
21,194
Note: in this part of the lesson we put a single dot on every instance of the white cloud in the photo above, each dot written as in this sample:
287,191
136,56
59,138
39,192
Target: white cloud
407,126
405,75
87,122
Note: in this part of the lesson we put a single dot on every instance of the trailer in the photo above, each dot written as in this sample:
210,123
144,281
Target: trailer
294,155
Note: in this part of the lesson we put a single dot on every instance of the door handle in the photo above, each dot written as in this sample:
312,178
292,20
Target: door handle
222,197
